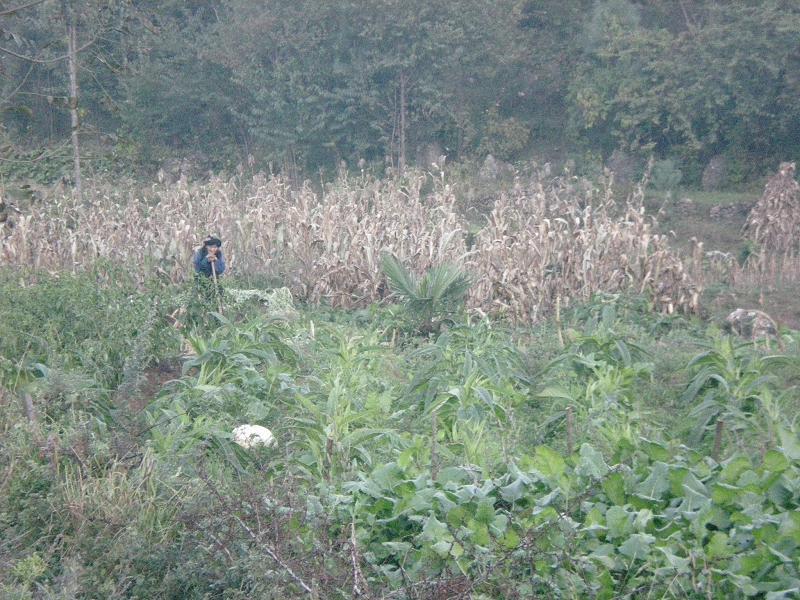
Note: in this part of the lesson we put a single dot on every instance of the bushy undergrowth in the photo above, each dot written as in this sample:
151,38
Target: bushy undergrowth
75,338
581,458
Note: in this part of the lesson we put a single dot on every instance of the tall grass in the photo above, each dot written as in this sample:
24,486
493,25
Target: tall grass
549,240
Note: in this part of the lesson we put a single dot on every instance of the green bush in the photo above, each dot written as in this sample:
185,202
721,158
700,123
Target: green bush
665,176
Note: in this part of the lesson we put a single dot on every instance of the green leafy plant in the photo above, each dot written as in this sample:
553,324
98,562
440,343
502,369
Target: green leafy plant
430,299
733,383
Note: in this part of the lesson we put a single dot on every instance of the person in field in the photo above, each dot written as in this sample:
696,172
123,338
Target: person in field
209,260
209,264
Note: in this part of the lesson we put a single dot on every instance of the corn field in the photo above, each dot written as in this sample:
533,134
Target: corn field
547,241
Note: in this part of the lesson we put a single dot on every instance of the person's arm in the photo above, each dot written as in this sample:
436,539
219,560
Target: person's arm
220,265
201,263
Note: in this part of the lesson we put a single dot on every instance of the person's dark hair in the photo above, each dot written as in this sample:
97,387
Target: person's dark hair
212,241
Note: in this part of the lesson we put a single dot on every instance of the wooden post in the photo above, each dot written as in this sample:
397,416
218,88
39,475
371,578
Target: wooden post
216,285
558,320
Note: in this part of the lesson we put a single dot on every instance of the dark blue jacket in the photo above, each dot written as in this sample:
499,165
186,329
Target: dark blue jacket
203,266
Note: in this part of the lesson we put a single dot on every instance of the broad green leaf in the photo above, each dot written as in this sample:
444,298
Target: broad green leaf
548,499
606,587
499,524
676,477
655,450
513,491
544,514
786,594
406,458
733,468
637,546
618,522
718,546
642,519
780,495
749,479
677,563
456,550
480,533
790,526
657,483
591,463
790,443
453,474
594,520
398,548
387,475
446,500
556,392
456,516
549,462
780,555
614,487
434,530
722,493
604,554
485,511
510,540
442,548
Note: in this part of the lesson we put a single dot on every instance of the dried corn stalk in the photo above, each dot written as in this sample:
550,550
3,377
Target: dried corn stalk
774,222
547,239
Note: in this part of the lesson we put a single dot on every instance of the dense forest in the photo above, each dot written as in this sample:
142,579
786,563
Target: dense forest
304,85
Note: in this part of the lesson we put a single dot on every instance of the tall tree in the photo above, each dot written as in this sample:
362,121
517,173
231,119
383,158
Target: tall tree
722,83
371,79
53,37
70,22
178,97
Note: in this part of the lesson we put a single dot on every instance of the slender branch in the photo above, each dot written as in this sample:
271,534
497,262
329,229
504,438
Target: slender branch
272,555
690,25
219,544
16,89
7,476
44,154
11,11
40,95
45,61
359,583
100,85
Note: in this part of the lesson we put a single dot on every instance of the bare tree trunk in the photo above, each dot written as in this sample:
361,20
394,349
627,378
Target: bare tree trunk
403,101
72,65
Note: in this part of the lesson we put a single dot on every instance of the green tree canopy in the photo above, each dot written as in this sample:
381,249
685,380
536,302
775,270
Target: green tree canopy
699,91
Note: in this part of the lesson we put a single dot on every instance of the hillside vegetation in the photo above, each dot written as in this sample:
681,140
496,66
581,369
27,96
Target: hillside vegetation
707,87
